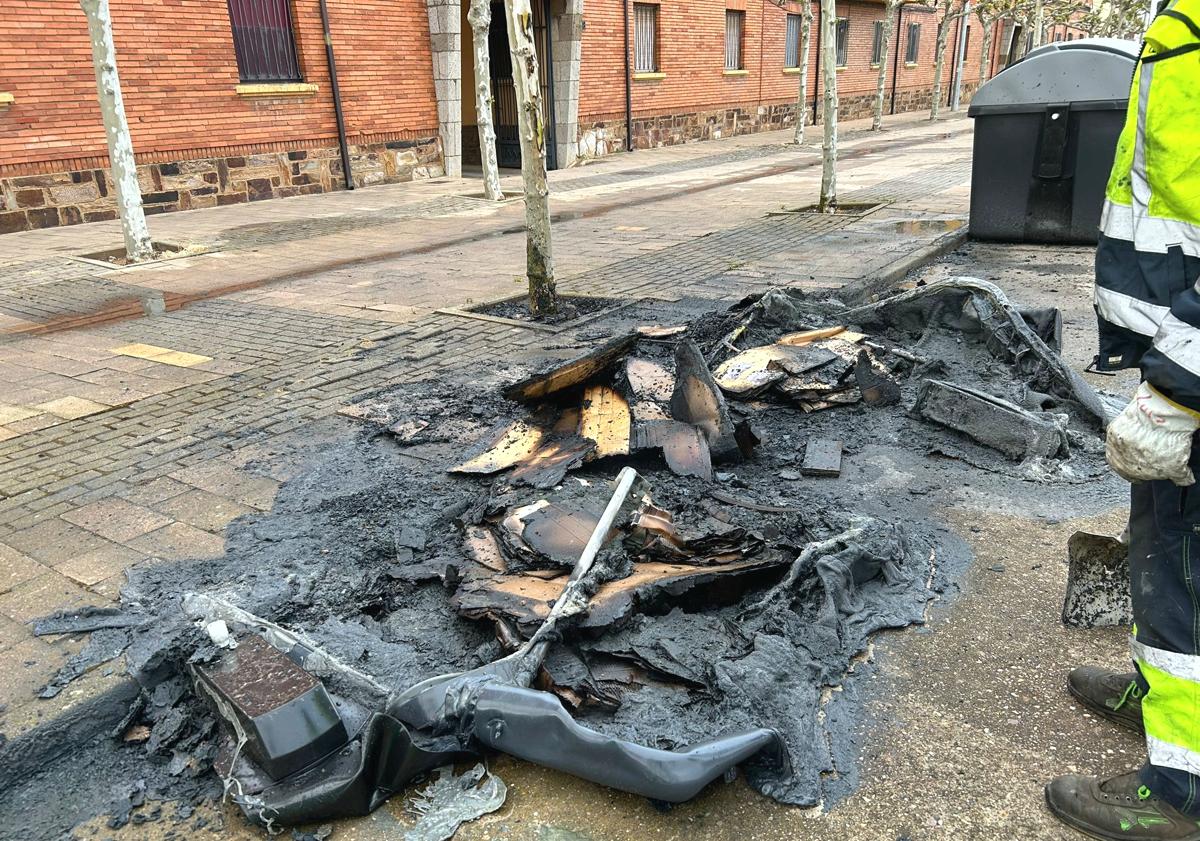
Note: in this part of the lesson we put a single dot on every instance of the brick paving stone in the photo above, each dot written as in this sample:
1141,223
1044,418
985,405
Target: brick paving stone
155,491
16,568
218,477
53,541
179,541
116,519
93,567
70,408
208,511
49,592
11,414
27,666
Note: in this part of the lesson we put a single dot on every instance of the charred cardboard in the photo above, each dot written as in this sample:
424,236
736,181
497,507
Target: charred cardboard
697,400
573,373
525,599
757,369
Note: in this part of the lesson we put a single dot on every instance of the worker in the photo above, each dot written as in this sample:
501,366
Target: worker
1148,306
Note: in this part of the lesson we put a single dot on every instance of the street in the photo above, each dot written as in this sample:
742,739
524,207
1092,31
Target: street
146,408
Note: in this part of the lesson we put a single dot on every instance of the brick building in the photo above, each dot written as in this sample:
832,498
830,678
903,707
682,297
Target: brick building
232,100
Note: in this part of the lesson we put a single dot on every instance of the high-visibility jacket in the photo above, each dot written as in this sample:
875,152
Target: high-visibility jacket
1148,258
1147,268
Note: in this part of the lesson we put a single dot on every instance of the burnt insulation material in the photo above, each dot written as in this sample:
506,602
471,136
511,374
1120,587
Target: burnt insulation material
363,550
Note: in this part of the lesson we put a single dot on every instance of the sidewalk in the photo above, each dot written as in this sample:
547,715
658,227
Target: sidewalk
128,437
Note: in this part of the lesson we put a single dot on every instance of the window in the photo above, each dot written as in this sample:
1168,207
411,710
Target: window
645,32
877,44
843,41
734,25
263,41
967,43
791,56
913,47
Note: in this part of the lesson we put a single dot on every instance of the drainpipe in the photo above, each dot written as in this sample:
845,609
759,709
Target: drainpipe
896,56
337,99
628,84
817,74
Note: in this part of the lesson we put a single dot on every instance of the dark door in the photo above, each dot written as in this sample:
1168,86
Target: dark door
504,96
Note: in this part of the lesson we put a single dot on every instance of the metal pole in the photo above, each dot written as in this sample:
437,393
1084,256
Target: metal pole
960,58
628,84
337,99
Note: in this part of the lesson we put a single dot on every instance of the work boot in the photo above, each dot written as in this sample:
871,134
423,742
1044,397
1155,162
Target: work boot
1113,695
1118,809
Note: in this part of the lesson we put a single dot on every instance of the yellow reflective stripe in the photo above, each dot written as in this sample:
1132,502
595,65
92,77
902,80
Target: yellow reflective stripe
1171,712
1177,341
1185,666
1129,312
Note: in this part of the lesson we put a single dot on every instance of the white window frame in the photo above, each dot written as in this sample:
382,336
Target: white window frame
735,39
791,49
841,46
645,38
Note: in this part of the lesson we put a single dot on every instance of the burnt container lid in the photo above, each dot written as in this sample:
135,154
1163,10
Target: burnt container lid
1093,72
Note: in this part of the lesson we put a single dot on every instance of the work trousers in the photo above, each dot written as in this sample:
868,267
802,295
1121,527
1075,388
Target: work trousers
1164,557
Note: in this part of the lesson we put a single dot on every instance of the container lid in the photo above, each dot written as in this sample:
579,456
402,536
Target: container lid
1096,70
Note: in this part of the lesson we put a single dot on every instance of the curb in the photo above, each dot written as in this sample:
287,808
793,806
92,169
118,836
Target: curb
865,289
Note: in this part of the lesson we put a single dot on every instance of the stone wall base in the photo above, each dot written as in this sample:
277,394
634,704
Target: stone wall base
603,137
68,198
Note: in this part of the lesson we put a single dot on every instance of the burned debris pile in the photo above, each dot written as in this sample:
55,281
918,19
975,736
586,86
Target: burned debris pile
464,577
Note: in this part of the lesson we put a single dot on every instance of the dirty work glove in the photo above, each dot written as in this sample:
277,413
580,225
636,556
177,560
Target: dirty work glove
1152,439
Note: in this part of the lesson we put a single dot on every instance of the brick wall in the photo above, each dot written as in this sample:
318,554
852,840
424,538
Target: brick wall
179,78
695,99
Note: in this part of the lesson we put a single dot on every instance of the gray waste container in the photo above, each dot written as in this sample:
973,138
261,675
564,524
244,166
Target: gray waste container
1045,132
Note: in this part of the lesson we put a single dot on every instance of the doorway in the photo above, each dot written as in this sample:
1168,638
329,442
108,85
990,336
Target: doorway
504,96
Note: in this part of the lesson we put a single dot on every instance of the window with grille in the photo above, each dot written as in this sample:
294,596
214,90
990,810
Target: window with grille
645,38
734,26
913,47
263,41
877,44
843,41
792,48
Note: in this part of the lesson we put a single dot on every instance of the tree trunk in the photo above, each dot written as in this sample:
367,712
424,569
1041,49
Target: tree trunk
939,64
802,90
881,81
479,16
828,200
116,131
539,261
985,60
1039,21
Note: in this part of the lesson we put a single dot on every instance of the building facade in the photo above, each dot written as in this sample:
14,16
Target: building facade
233,101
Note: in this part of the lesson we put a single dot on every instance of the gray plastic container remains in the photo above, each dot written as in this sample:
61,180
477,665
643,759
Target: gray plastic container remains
1046,129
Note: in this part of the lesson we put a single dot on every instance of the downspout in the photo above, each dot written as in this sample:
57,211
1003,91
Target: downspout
817,75
628,84
896,57
337,99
